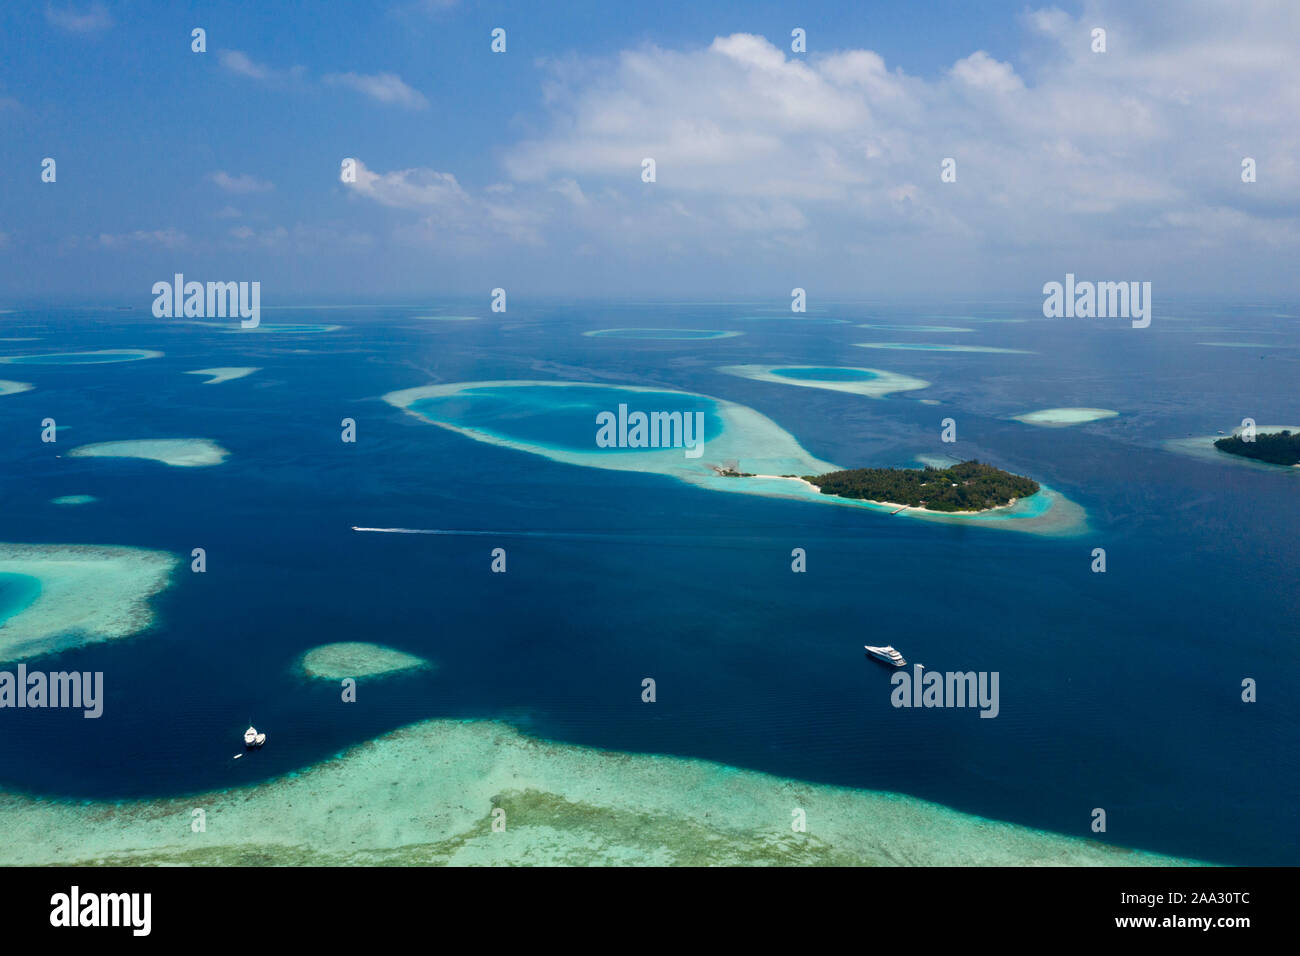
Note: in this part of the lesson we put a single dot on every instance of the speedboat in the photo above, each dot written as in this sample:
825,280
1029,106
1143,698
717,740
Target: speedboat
886,654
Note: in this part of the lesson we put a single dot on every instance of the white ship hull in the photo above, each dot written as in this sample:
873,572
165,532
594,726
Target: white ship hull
886,654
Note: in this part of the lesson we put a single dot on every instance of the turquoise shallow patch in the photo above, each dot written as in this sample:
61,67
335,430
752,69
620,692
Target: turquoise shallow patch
557,418
931,347
17,593
769,458
73,500
666,334
100,357
827,374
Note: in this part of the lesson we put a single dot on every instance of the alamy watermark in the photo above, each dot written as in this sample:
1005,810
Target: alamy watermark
216,300
1087,300
946,689
75,908
55,689
651,430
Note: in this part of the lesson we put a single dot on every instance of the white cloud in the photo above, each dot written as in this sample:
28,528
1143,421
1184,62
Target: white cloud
386,88
1056,148
241,64
410,188
447,211
93,19
980,71
168,238
571,191
241,184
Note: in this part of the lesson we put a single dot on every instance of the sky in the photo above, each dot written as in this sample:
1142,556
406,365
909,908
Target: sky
774,168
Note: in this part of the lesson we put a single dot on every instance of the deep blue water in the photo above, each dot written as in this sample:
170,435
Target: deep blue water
1118,690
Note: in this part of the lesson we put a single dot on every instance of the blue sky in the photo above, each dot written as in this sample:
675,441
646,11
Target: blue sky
774,168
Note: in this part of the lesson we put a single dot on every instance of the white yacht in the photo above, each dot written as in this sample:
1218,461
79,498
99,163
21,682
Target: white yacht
252,738
886,654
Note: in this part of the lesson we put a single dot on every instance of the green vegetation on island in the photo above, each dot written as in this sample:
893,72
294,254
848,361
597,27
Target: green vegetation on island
1277,448
970,486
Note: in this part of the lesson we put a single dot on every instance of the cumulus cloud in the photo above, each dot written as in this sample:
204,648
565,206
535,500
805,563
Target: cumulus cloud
241,64
300,239
387,88
1059,146
243,183
93,19
168,238
419,188
446,210
828,165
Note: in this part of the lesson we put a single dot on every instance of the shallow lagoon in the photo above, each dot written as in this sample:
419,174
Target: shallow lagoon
664,334
1202,448
557,420
98,357
82,594
564,805
930,347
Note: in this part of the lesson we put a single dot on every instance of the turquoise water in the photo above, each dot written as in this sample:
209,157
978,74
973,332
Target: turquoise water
289,327
562,418
826,374
619,575
17,592
928,347
75,358
661,334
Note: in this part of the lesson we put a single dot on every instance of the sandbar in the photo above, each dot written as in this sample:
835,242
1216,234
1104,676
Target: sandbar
223,374
871,382
1062,417
357,659
178,452
73,500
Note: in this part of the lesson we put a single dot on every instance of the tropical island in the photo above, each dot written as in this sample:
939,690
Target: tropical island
1277,448
969,486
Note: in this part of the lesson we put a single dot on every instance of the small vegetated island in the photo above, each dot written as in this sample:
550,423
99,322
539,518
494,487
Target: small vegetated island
1277,448
969,486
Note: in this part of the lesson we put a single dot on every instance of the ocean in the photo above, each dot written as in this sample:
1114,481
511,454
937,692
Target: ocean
1119,690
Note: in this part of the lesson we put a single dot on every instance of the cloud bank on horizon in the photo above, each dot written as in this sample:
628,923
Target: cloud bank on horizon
776,168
